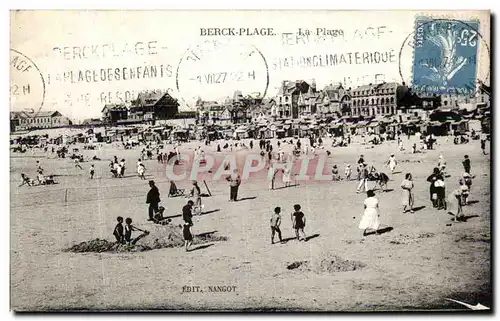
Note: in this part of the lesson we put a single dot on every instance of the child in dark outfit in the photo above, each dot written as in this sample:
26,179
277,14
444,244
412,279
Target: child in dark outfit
466,164
275,224
298,221
128,230
118,232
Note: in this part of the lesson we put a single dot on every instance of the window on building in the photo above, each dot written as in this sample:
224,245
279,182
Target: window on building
392,100
373,102
392,110
378,101
378,110
482,98
446,103
286,98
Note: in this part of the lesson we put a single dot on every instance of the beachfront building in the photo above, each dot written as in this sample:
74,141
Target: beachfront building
287,99
24,120
211,112
308,102
114,113
335,99
456,101
375,99
153,105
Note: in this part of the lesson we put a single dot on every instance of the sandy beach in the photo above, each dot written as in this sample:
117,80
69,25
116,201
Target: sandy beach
424,259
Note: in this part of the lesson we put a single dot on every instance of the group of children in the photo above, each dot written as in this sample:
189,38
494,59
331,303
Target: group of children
123,234
298,223
41,178
117,168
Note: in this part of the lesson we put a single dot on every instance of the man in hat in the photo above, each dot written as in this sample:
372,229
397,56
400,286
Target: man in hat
363,176
153,199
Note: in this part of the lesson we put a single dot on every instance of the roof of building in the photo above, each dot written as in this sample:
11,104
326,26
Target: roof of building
32,113
89,121
289,87
151,98
117,107
384,85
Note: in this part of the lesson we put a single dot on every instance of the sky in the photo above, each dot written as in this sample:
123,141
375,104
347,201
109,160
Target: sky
78,61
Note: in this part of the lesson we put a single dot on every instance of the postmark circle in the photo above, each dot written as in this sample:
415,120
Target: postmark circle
214,69
449,57
27,85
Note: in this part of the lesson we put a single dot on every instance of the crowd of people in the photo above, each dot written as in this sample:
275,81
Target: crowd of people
365,174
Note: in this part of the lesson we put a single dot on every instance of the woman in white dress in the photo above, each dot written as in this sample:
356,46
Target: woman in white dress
140,169
392,163
407,195
370,219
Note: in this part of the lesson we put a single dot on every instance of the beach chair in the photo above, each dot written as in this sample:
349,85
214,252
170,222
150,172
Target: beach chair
174,191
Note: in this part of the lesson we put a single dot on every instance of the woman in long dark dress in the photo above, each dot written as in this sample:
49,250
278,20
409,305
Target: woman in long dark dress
433,190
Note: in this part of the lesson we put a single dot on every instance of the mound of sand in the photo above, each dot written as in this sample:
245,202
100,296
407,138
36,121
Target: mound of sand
161,236
331,264
411,238
338,264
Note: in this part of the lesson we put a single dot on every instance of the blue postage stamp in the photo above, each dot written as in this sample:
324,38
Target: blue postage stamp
445,56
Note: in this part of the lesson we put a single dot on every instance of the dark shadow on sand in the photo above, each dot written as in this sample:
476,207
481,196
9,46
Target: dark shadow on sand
472,202
281,187
381,230
312,237
172,216
206,234
466,217
246,198
201,247
209,212
418,208
385,229
288,239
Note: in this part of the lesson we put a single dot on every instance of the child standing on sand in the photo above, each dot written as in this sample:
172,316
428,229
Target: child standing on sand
92,171
466,163
348,172
465,191
275,224
118,231
335,173
298,222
